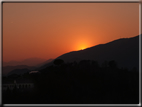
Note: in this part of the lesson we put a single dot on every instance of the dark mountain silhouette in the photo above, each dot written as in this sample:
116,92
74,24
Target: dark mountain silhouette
43,63
124,51
29,62
83,81
19,71
7,69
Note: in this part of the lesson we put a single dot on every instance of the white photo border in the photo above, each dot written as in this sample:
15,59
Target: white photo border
73,1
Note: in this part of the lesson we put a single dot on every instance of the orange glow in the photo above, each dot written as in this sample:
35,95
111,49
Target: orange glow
81,45
48,30
82,48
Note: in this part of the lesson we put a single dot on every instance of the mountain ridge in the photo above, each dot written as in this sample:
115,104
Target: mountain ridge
8,69
30,62
125,51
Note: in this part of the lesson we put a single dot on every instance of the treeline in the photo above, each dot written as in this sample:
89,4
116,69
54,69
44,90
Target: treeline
85,82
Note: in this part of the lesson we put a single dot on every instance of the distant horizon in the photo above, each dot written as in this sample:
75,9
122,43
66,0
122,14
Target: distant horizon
48,30
26,59
63,53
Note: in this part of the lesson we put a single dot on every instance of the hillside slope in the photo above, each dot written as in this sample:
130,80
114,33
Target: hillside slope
124,51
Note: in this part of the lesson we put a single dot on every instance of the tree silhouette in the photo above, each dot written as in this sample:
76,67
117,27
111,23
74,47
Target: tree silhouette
95,64
85,82
105,64
112,64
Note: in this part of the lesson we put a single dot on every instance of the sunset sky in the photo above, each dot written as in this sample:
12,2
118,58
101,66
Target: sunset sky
48,30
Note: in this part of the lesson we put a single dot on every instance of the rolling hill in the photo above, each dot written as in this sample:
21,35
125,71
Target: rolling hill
8,69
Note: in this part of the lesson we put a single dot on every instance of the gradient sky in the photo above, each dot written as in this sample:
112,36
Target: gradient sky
48,30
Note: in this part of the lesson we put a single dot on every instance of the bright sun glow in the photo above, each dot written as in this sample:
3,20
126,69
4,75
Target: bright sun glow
82,48
82,44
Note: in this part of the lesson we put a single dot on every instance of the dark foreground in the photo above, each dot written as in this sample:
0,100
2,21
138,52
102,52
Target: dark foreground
79,83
